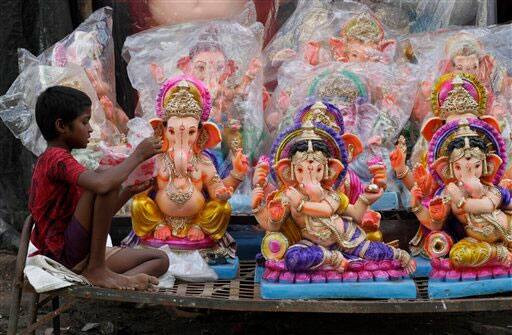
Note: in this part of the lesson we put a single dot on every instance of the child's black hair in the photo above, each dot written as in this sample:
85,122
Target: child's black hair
474,142
59,102
302,146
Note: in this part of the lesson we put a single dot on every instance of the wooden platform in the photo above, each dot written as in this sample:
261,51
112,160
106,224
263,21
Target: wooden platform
243,295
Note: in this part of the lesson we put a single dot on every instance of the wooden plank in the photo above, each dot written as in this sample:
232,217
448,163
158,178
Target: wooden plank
318,306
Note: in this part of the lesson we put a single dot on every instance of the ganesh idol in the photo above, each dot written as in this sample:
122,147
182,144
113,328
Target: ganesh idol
467,157
312,229
464,53
187,208
455,96
328,115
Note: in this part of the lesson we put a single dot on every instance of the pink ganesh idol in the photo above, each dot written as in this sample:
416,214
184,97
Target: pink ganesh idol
188,208
361,39
227,66
464,53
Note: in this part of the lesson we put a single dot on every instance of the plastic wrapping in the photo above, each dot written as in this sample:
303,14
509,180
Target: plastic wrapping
17,106
481,52
375,99
138,130
189,266
90,46
225,55
318,21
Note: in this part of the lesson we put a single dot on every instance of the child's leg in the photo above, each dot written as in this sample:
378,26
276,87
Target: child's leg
131,262
95,212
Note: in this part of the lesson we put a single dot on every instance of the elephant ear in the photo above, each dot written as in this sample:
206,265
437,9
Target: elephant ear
493,165
353,144
442,167
487,65
184,64
337,46
335,168
158,126
430,127
284,171
231,68
387,46
209,137
491,121
312,52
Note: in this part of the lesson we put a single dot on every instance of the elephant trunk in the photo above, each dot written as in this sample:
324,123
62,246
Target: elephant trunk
472,185
181,156
312,188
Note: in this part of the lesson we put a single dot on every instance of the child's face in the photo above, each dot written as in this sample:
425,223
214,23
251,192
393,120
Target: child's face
80,130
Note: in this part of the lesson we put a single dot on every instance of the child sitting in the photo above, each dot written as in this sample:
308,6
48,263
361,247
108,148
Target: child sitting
73,207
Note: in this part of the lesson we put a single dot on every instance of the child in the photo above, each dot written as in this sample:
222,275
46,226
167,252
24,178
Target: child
73,207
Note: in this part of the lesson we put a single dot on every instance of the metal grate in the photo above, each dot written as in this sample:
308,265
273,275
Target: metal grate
241,288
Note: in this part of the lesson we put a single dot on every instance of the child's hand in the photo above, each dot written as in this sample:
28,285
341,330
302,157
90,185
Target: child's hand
148,148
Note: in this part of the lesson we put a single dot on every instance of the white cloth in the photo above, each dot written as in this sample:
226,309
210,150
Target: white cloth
45,274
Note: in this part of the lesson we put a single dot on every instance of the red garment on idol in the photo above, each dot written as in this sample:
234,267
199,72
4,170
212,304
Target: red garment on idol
53,197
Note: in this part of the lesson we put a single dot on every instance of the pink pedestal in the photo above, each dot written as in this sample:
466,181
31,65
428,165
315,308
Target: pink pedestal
180,243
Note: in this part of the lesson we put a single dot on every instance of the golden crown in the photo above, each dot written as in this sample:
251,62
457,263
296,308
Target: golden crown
459,101
364,28
318,113
339,86
183,101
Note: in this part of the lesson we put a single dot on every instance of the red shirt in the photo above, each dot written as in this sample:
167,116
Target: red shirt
53,197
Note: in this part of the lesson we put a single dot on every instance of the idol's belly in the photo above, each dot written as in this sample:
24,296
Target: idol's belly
188,208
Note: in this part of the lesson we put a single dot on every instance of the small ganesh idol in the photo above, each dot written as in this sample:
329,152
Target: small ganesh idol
361,40
465,52
455,96
313,235
467,157
188,207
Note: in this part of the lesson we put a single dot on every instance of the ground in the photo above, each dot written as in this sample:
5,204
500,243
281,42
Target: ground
115,318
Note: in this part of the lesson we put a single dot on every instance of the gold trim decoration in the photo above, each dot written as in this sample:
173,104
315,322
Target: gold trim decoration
459,101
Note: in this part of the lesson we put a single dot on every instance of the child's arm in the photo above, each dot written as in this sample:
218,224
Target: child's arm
109,179
127,192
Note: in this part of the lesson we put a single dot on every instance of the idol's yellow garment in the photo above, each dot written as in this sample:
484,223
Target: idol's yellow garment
146,216
292,232
470,253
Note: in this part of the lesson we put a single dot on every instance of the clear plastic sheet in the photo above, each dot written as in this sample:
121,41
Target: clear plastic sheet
90,46
226,56
138,130
17,106
223,54
318,20
483,52
375,99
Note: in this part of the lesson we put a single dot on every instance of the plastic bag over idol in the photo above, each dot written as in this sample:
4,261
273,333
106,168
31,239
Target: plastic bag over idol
225,55
91,47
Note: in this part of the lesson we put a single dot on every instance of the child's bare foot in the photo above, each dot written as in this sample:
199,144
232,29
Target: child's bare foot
103,277
144,282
